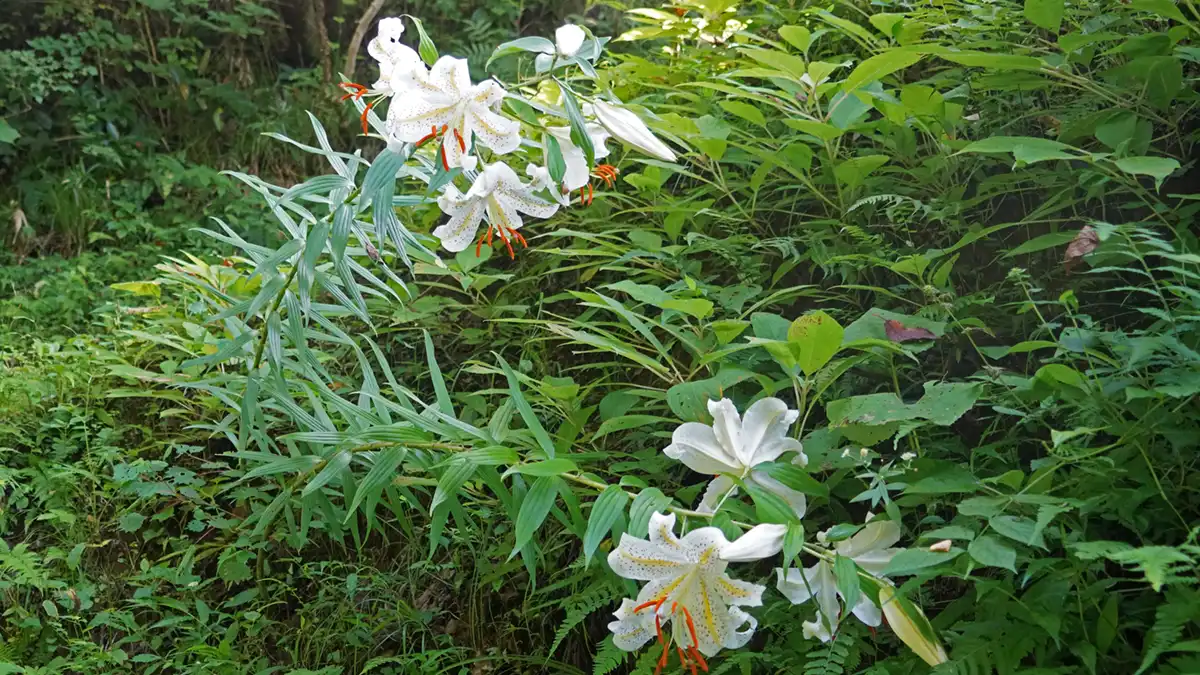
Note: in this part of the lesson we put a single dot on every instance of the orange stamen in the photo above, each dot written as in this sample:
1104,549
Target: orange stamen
432,135
683,660
479,244
366,127
698,658
462,145
652,603
445,162
691,627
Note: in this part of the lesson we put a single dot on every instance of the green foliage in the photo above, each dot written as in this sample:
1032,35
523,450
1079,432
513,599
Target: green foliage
316,446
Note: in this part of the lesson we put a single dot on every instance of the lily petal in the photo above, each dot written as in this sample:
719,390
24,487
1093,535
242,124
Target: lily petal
641,560
867,611
739,636
628,127
632,629
737,592
465,214
696,446
869,547
568,39
727,426
762,541
764,431
716,490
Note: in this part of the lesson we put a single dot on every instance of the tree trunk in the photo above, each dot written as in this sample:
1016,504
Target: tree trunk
360,32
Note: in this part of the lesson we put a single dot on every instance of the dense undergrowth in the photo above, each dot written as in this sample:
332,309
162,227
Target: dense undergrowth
957,237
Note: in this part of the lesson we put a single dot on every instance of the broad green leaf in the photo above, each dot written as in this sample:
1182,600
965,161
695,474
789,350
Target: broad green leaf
821,130
879,66
913,560
797,36
1018,529
942,404
609,506
626,422
534,509
1047,14
788,64
537,45
852,172
459,469
645,504
290,465
816,338
991,552
8,135
744,111
846,574
145,288
131,522
770,507
1167,8
689,401
794,477
1157,167
1043,242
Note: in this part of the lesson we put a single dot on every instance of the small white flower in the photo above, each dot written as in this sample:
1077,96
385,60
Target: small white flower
498,195
568,39
864,453
400,68
688,587
870,550
629,128
908,456
447,104
732,447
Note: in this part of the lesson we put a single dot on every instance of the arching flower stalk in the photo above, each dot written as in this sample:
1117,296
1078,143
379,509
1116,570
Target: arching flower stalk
688,589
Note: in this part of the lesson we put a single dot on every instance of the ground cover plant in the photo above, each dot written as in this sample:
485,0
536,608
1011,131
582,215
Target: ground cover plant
701,337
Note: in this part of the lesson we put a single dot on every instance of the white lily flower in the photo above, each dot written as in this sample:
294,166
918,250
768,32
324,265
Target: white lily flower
449,105
732,447
498,195
578,173
870,549
400,68
568,39
629,128
688,587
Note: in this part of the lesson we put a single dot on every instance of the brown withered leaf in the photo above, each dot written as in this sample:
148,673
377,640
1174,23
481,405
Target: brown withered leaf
1084,243
898,332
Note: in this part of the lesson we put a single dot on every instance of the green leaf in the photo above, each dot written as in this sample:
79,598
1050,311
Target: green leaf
145,288
1167,8
523,407
689,400
549,467
913,560
534,509
537,45
821,130
1158,167
770,507
846,574
991,552
131,522
797,36
8,135
855,170
645,504
1047,14
794,477
380,476
457,471
333,468
609,506
816,338
626,422
942,404
435,374
555,164
1043,242
879,66
1018,529
793,542
579,134
744,111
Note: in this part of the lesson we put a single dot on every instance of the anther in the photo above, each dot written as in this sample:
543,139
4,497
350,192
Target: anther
365,112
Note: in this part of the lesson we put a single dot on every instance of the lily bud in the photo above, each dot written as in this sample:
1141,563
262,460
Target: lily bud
910,625
628,127
568,39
